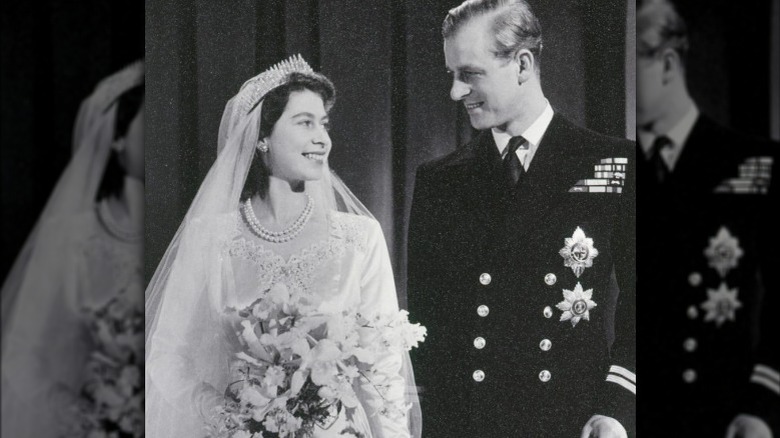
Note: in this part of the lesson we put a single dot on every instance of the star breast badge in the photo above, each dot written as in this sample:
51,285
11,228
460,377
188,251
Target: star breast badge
721,305
576,304
578,252
724,252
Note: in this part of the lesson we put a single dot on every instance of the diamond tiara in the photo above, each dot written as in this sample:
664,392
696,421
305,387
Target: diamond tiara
254,89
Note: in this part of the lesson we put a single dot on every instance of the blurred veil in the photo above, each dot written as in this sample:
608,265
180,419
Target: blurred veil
77,187
192,278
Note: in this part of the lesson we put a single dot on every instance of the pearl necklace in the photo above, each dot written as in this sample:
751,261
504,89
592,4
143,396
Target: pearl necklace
278,236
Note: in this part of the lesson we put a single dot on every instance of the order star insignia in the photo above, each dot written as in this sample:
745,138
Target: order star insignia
721,304
576,304
578,252
724,252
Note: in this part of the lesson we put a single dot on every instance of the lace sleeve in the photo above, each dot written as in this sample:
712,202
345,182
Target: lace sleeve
378,295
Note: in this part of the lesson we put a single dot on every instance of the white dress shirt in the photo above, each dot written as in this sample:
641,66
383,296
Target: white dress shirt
677,135
533,135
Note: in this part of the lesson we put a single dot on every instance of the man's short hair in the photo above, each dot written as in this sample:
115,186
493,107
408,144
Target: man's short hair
660,27
515,26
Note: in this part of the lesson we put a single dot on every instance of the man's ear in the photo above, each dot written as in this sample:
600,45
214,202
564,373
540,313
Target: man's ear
672,65
526,65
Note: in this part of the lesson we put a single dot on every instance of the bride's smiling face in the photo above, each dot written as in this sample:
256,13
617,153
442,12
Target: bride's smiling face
299,143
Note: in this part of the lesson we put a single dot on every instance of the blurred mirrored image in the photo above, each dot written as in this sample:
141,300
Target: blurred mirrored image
73,154
707,287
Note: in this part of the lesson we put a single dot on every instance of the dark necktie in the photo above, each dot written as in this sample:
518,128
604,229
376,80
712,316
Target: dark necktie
512,166
659,165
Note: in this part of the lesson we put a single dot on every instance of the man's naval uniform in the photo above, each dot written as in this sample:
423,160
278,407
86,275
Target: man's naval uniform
519,287
707,271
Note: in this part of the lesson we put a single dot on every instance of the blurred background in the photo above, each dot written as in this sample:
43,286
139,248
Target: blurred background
734,62
393,110
53,54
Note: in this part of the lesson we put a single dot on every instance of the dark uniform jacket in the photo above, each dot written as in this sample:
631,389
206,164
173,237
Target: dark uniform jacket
707,270
487,277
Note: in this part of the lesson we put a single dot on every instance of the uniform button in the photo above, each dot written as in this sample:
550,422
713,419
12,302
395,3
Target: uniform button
478,375
550,279
483,310
689,375
545,376
690,345
694,279
479,343
545,345
547,312
693,313
485,279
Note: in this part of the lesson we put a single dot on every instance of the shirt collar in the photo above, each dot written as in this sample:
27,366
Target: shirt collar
683,128
678,134
533,134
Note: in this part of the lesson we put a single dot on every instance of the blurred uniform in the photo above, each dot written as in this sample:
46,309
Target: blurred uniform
707,281
515,286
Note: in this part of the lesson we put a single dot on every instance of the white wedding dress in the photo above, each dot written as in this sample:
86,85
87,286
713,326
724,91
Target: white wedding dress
341,264
87,259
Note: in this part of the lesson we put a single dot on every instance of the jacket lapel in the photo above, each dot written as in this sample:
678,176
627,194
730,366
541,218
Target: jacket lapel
481,182
556,167
702,164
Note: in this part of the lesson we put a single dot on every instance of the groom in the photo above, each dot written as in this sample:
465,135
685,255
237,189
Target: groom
522,252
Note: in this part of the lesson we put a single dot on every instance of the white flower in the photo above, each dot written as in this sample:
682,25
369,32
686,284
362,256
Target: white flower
252,397
282,422
253,343
410,336
278,294
129,380
349,371
297,381
339,390
576,304
274,377
108,396
342,328
322,361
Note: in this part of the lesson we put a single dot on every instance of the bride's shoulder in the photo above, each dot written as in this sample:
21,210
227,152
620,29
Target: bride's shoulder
354,227
215,223
353,220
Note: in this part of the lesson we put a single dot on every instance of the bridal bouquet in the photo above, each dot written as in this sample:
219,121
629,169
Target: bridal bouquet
299,368
111,400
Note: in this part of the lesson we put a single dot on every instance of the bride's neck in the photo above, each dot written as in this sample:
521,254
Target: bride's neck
127,207
283,202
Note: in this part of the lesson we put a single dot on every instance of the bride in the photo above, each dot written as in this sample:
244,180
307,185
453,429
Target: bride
269,213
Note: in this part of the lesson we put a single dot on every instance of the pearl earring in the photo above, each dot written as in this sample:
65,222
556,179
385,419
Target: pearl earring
262,146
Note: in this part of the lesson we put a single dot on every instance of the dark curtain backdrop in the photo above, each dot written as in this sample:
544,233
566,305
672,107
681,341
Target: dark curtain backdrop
729,73
53,54
774,70
393,110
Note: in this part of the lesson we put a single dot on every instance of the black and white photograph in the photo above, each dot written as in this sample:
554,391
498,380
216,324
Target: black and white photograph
390,219
406,219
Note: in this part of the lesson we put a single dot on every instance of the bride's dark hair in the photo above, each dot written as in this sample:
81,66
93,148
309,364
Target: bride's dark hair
274,104
128,106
